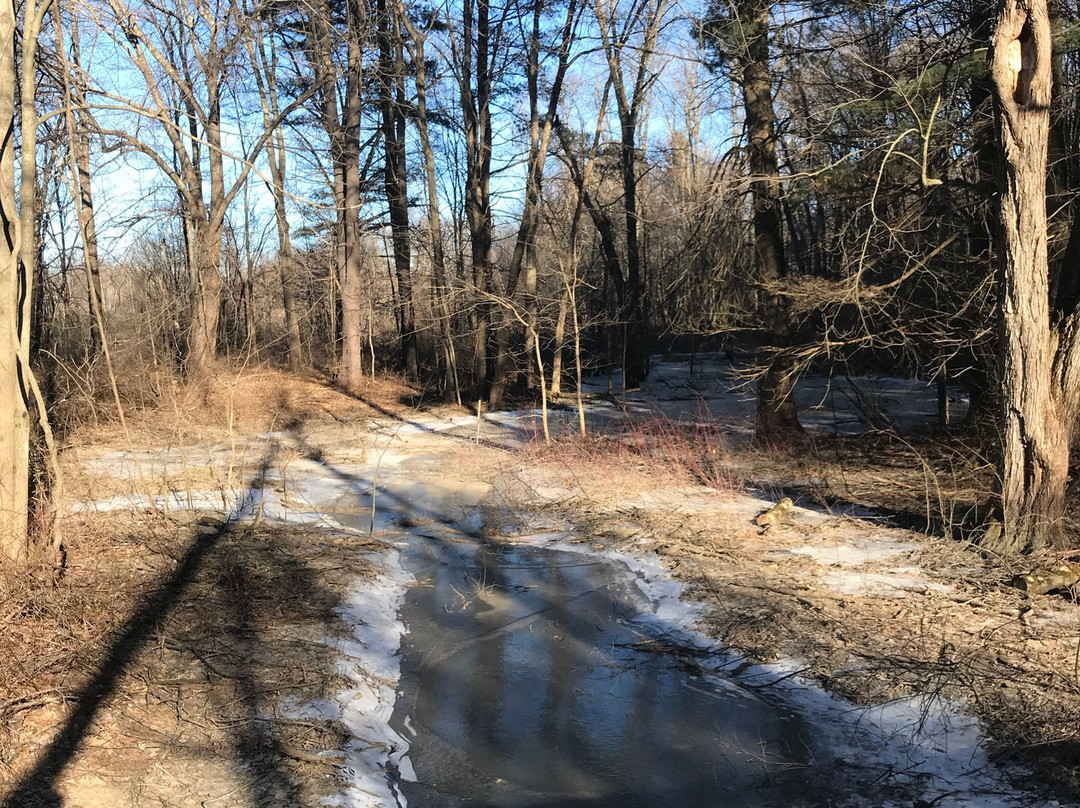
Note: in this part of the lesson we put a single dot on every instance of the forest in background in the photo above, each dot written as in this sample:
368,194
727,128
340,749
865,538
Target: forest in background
493,199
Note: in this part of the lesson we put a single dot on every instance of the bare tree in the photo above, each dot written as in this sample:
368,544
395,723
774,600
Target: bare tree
79,124
440,286
776,404
351,369
1040,344
18,261
264,53
629,37
477,49
395,177
14,416
541,124
191,54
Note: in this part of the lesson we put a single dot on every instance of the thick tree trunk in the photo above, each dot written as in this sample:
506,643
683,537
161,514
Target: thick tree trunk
351,369
202,341
1035,450
395,179
14,418
776,412
208,225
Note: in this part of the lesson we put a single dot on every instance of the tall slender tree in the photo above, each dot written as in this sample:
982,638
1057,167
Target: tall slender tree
629,37
14,415
392,103
476,48
265,64
346,141
440,285
541,125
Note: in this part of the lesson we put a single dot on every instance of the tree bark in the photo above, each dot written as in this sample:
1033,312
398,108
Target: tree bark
202,340
395,179
14,416
325,82
79,152
477,51
1036,413
351,369
265,67
630,101
776,412
540,129
440,288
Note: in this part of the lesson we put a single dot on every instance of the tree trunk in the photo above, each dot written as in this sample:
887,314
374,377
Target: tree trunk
1035,448
477,58
325,77
14,418
776,412
79,152
540,129
560,342
208,225
630,102
440,289
265,66
287,269
634,322
351,369
202,341
983,386
395,179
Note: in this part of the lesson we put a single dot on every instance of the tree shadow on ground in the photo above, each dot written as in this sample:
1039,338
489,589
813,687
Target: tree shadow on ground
219,643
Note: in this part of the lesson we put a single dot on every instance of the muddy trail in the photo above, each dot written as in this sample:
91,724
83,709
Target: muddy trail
402,608
529,678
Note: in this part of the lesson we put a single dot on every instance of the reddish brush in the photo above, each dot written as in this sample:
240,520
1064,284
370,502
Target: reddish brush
693,451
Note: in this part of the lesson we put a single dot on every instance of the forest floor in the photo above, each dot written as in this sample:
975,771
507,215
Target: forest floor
224,632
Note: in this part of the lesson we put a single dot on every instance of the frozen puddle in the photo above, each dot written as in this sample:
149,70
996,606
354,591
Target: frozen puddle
529,678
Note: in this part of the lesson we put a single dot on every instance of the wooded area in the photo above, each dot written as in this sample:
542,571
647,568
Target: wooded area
495,198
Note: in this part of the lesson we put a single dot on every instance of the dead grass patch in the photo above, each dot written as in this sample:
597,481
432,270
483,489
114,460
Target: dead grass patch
649,452
200,700
236,400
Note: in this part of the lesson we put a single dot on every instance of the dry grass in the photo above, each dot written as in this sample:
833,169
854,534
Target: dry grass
181,641
196,697
650,452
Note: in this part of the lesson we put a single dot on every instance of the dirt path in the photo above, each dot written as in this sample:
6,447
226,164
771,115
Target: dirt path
236,649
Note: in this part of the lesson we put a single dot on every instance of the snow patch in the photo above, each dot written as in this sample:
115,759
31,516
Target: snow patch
855,553
926,741
377,755
880,584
